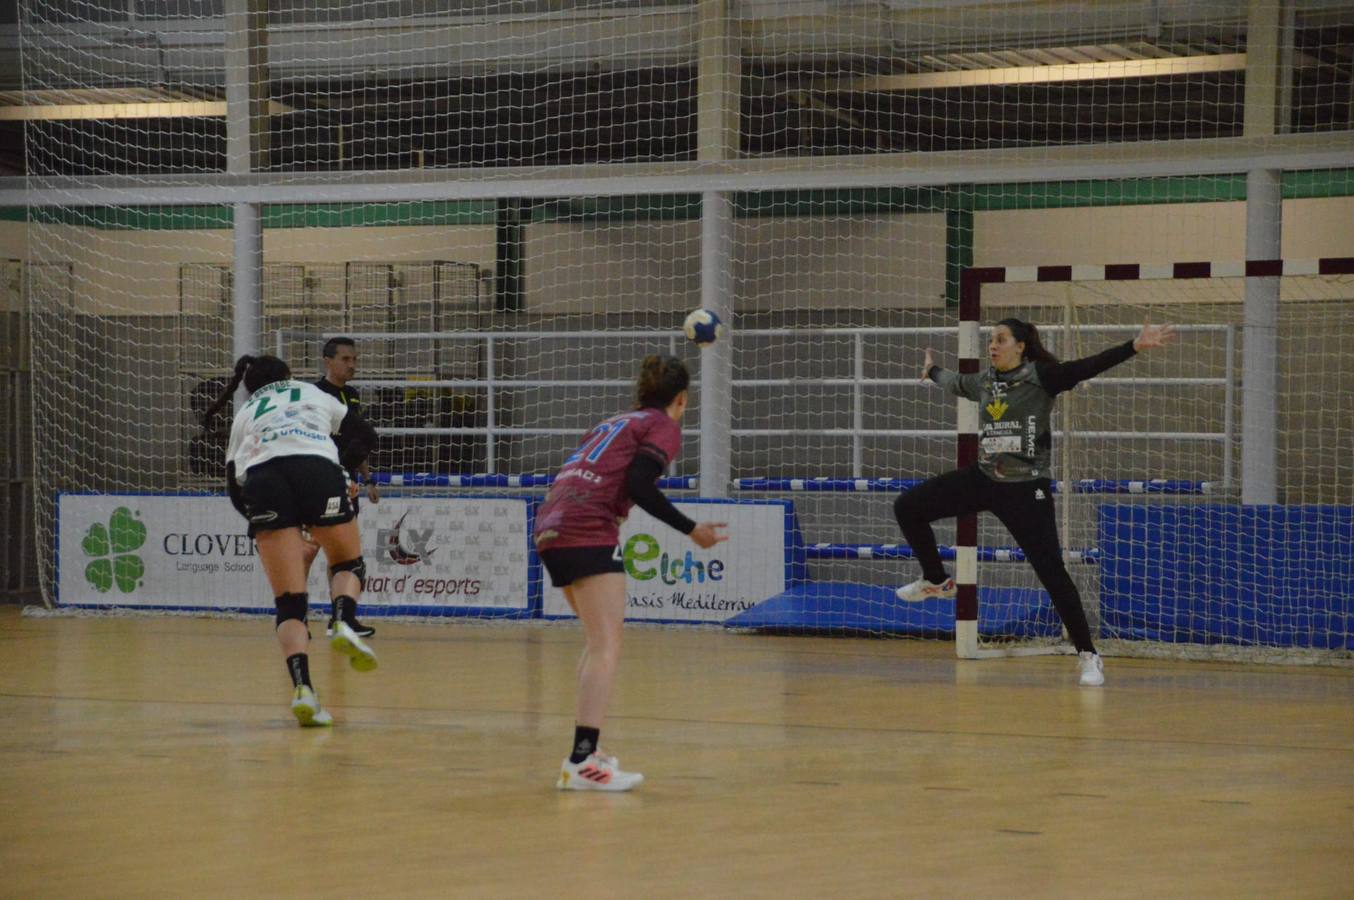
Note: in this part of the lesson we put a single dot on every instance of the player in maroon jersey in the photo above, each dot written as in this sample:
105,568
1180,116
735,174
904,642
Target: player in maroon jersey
577,534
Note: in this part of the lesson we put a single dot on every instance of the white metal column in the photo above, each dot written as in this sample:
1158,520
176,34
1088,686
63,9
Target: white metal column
718,107
716,370
246,143
1268,32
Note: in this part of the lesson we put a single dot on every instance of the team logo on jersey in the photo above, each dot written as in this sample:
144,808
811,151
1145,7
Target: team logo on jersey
997,408
1039,494
417,539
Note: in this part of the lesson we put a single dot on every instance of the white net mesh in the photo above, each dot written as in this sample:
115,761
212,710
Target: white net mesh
510,203
1165,555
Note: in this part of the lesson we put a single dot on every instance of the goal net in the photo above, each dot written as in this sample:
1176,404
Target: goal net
508,210
1181,539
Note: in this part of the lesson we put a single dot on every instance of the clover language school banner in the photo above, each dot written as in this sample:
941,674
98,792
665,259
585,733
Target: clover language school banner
192,552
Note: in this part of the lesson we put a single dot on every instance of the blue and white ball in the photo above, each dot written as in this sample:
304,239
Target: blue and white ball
703,326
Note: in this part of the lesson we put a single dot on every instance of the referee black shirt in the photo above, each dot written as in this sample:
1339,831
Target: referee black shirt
356,438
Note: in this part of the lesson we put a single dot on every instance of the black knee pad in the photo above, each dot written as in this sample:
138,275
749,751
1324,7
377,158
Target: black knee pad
357,566
292,606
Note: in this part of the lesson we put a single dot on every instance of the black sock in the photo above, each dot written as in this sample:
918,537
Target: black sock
345,608
585,743
298,664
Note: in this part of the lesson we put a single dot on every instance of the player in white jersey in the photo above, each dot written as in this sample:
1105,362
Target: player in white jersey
283,472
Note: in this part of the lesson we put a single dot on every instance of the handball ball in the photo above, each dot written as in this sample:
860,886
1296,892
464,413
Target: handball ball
703,326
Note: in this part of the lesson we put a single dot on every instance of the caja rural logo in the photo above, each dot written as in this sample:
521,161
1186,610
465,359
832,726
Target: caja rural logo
646,560
112,547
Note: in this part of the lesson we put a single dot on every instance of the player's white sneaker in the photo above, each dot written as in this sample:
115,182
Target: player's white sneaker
306,707
1092,669
596,773
345,640
921,589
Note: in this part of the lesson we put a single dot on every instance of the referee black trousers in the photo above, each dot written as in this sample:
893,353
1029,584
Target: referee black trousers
1024,507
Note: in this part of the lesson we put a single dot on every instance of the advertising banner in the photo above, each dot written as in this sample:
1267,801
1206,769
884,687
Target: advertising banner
192,552
670,579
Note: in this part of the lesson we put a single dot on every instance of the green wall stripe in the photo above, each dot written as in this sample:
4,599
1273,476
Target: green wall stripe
303,215
761,204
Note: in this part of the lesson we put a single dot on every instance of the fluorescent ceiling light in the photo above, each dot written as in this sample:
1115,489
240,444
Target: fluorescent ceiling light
1119,69
161,109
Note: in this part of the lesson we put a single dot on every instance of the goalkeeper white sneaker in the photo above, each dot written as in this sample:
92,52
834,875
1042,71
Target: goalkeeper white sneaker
1092,669
596,773
306,707
921,589
345,640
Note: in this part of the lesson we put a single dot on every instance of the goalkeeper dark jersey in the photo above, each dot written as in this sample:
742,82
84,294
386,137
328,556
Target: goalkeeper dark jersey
1015,438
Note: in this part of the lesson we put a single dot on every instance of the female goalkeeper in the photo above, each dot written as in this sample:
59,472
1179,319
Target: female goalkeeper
1012,479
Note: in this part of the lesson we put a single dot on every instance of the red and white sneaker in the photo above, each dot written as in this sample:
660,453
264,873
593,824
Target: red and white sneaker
921,589
596,773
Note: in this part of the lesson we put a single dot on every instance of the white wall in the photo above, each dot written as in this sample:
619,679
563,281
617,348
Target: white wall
596,268
877,261
129,272
460,243
880,261
1154,234
13,240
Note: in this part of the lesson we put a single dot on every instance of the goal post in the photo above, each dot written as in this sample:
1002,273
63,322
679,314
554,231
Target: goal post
1186,566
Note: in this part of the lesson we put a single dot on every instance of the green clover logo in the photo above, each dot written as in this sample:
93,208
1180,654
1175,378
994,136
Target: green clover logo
112,548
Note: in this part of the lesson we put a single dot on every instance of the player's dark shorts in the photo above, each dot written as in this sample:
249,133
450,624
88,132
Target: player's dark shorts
569,564
293,491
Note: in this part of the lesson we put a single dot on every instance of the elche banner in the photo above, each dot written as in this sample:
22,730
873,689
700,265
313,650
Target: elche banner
193,552
669,579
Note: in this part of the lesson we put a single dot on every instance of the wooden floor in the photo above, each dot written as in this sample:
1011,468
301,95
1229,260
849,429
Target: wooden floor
155,757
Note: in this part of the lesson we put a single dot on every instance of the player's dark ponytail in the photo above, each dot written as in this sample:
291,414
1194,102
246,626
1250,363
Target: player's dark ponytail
241,365
255,372
263,371
1027,334
661,379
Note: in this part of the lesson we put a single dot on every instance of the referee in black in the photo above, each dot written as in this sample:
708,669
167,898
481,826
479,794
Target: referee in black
340,366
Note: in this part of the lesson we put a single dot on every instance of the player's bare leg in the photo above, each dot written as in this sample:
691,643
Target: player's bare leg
599,601
282,553
345,611
342,545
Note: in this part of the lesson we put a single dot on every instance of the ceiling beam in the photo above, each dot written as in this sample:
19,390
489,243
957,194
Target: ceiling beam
1082,162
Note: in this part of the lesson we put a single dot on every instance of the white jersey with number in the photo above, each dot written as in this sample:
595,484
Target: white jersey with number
285,418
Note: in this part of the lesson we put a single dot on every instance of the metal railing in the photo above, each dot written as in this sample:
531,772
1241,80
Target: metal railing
493,384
